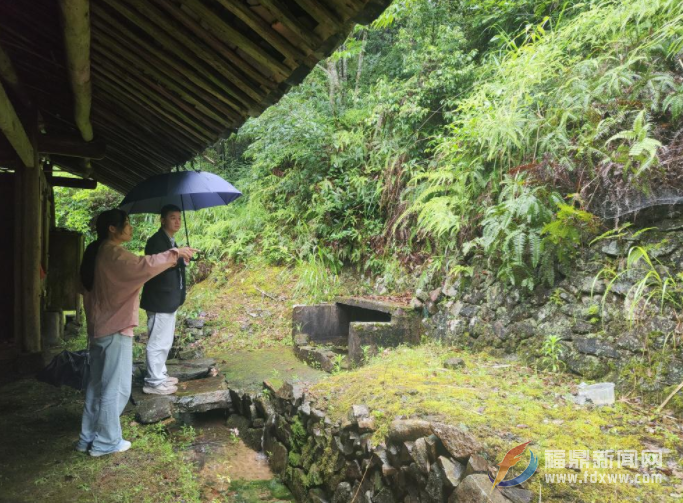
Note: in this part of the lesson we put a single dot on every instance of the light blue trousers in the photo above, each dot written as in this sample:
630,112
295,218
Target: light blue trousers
107,393
161,328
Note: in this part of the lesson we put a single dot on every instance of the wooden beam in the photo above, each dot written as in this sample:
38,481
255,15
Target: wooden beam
76,15
346,8
292,23
164,97
136,138
137,130
160,70
7,71
135,110
31,250
74,183
13,129
71,146
185,72
263,29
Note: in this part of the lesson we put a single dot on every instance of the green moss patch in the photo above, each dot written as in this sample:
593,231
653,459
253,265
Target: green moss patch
503,404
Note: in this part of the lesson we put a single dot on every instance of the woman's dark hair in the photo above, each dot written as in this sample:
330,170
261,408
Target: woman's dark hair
114,217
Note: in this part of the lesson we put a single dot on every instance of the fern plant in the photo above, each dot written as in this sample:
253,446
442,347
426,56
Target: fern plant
673,103
639,147
511,233
566,232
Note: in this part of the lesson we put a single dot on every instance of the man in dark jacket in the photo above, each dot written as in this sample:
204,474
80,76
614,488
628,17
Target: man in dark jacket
161,298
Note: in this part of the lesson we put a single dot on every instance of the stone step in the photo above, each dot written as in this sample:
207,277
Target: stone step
199,395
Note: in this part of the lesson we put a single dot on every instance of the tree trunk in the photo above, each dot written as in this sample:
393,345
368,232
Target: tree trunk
333,78
359,70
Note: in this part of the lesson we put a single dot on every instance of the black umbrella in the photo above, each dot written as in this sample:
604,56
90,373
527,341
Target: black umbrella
188,190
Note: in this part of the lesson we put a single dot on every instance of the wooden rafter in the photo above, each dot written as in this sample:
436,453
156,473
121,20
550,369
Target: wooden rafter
196,29
234,38
256,23
184,71
283,14
244,92
134,83
321,13
75,183
164,72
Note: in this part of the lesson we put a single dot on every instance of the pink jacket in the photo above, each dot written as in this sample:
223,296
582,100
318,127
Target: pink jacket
113,303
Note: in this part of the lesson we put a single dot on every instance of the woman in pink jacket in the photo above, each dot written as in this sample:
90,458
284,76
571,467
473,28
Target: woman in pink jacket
112,278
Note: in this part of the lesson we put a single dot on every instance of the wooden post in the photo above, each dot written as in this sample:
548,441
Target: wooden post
76,16
31,244
18,259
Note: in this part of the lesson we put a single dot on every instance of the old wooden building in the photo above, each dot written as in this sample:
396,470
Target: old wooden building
115,91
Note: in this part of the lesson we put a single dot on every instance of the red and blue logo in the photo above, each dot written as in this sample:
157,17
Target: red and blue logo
513,457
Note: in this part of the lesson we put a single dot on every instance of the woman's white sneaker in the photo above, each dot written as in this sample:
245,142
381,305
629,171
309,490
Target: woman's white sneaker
123,446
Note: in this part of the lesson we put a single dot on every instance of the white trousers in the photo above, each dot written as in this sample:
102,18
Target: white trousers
161,328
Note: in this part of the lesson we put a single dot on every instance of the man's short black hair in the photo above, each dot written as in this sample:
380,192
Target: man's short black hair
169,208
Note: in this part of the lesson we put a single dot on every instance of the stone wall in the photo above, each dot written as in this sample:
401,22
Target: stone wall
322,460
603,336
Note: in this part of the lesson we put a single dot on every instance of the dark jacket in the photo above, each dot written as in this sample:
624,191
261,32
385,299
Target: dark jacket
163,293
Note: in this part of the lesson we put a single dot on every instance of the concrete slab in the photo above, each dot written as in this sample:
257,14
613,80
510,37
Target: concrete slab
247,370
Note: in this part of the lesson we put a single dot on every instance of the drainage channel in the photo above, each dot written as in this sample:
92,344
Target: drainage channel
227,469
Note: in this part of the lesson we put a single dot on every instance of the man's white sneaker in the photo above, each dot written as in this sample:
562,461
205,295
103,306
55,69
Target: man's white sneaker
171,380
163,389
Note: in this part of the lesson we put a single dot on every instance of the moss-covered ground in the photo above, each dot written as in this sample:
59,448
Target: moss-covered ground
504,403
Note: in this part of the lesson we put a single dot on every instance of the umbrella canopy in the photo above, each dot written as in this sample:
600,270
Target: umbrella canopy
188,190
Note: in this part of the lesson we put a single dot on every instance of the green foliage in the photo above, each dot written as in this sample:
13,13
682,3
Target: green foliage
640,148
652,283
568,231
298,435
556,298
511,233
338,363
551,352
562,99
